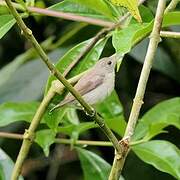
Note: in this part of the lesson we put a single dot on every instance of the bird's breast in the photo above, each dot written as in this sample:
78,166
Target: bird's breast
102,91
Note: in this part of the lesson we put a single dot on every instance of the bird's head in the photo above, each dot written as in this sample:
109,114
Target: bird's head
107,64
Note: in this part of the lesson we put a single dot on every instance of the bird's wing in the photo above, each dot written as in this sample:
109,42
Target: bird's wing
85,84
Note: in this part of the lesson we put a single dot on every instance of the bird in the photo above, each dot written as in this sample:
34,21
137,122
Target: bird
95,85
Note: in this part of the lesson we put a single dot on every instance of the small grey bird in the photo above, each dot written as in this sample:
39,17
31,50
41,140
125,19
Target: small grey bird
95,85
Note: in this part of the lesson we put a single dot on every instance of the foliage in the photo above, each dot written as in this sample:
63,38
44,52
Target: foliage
6,166
23,81
132,6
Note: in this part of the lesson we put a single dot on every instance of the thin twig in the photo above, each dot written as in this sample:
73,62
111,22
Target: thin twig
170,34
88,47
11,135
59,140
138,100
16,136
65,15
172,5
84,142
70,16
101,34
16,5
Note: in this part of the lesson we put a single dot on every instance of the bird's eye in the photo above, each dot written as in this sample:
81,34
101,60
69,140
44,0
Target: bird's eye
109,62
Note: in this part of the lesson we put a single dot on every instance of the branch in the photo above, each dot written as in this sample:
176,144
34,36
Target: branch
84,142
169,34
153,44
68,141
11,135
29,134
172,5
63,15
70,16
59,140
101,34
138,100
88,47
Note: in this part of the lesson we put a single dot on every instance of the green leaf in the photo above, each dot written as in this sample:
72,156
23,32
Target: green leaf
6,23
110,107
3,10
163,114
72,116
112,111
122,40
171,18
90,59
6,166
53,119
87,62
69,6
21,2
162,60
117,124
131,5
69,32
76,129
154,130
45,138
31,2
125,39
13,112
146,14
8,71
93,165
161,154
97,5
28,81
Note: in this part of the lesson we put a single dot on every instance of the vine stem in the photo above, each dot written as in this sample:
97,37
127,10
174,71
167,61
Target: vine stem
29,134
138,100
